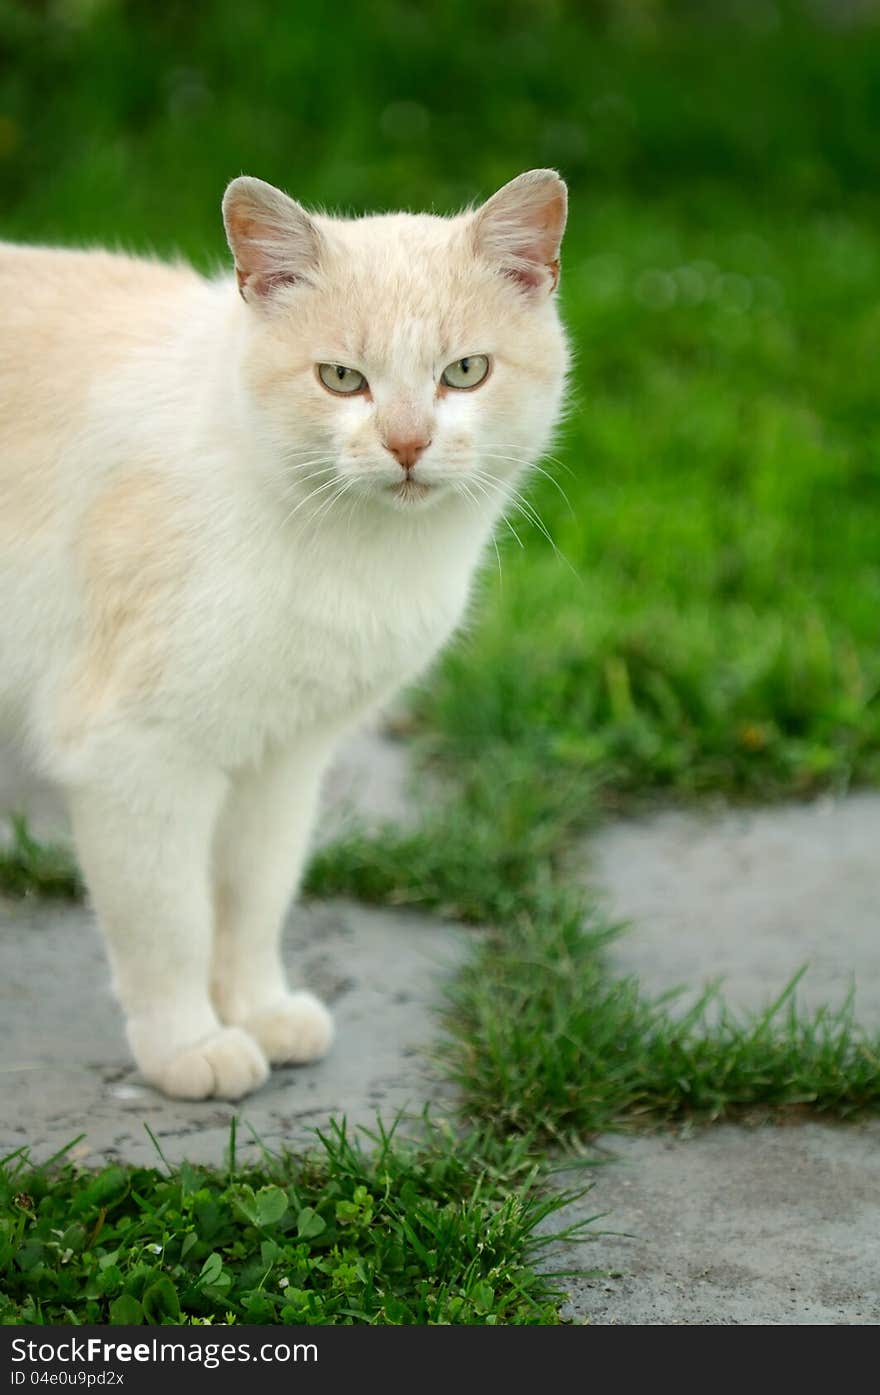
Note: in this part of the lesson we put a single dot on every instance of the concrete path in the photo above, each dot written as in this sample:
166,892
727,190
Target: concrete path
729,1226
750,897
732,1226
65,1068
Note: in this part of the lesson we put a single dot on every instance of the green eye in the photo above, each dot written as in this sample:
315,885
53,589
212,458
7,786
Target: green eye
467,372
342,380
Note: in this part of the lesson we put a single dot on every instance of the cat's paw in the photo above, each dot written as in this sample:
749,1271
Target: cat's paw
294,1029
226,1065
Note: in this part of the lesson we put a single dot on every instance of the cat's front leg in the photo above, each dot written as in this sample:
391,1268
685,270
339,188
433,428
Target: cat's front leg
259,851
143,821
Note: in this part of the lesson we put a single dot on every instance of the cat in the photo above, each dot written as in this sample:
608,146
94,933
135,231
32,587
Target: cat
236,515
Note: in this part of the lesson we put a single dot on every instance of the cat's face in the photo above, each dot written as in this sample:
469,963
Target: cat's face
400,359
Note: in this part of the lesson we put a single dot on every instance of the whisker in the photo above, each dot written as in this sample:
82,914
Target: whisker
485,493
530,513
554,460
313,494
323,463
294,483
539,470
498,560
494,542
524,459
481,478
334,498
298,453
352,510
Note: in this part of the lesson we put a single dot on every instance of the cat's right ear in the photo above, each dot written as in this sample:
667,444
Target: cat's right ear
519,230
272,238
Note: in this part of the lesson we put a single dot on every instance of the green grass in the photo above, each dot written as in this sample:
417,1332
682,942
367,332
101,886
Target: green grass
538,1037
541,1040
722,468
29,867
705,622
446,1231
720,283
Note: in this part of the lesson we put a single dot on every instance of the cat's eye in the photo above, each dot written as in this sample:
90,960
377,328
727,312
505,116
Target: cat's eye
337,378
467,372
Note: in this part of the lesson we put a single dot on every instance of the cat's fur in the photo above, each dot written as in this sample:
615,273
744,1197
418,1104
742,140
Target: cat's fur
190,616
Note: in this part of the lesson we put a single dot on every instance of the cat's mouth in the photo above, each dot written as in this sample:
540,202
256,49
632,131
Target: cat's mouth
410,491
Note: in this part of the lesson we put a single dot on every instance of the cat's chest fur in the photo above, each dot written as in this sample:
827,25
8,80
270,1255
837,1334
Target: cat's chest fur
306,634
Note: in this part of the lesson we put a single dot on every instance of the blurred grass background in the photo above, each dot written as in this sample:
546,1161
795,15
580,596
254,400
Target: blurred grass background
716,623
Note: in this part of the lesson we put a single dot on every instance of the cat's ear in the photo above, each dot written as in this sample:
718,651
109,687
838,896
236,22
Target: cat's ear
520,229
273,240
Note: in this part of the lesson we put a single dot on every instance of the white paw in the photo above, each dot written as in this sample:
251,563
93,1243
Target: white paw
294,1029
227,1064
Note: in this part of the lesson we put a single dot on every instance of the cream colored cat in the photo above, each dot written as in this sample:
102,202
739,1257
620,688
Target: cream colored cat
234,518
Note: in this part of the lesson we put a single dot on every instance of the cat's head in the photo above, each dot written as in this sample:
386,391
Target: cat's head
403,358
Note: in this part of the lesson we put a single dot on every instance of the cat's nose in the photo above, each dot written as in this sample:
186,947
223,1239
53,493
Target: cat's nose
407,449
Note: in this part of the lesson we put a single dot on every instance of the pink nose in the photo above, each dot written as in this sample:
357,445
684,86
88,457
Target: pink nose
407,449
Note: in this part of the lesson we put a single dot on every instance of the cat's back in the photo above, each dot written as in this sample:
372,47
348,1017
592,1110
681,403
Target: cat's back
68,320
75,311
33,276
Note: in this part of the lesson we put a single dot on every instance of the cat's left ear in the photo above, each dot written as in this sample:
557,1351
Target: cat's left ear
520,229
272,238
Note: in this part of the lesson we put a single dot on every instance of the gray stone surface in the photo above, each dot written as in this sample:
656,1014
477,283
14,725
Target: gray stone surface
65,1067
772,1225
730,1226
733,1226
368,783
749,896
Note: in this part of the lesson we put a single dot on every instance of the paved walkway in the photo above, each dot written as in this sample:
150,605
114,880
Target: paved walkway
732,1225
65,1067
773,1225
762,1226
750,897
